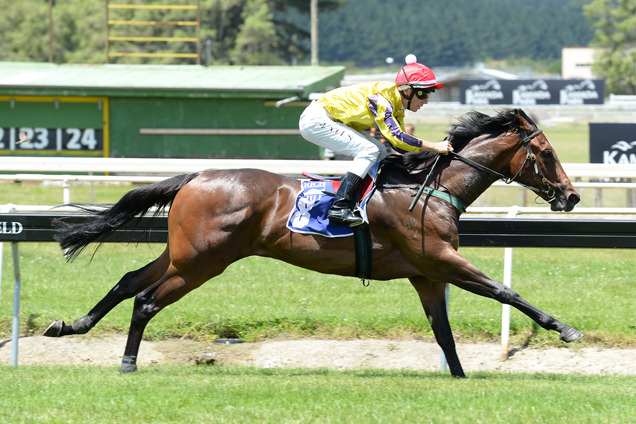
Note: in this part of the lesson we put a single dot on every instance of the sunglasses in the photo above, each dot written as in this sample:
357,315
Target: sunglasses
422,95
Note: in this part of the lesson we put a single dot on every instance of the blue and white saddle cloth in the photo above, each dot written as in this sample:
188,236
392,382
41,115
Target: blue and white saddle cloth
309,215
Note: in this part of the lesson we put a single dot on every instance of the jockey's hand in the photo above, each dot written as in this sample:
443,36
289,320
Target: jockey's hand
443,147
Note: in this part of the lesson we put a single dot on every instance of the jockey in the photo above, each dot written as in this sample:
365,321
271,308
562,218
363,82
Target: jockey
336,121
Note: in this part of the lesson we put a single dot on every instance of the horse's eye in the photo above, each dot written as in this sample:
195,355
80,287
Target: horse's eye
546,153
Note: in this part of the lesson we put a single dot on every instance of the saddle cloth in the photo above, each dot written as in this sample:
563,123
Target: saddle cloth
309,215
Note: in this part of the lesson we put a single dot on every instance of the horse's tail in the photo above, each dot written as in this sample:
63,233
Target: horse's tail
105,219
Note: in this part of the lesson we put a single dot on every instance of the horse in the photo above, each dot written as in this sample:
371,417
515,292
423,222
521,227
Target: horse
217,217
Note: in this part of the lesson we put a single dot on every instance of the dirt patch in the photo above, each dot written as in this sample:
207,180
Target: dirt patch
311,353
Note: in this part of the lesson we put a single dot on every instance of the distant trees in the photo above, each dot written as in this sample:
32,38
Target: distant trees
452,32
242,32
273,32
615,37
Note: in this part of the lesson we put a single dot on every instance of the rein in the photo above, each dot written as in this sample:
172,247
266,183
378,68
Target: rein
422,189
530,157
550,192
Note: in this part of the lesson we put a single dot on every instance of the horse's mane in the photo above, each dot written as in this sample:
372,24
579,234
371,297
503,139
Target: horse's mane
469,126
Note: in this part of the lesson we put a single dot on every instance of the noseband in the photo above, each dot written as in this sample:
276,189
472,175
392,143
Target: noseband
530,157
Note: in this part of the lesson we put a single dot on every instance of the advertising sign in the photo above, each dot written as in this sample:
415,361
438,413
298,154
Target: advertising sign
613,143
532,92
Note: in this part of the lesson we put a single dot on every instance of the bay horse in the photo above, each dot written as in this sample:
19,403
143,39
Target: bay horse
218,217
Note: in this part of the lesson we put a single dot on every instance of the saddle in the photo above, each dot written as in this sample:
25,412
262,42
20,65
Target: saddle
364,189
309,215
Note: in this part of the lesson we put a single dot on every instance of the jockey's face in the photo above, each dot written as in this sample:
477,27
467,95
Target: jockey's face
416,102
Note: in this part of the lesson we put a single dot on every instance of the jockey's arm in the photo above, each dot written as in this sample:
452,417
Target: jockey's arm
442,147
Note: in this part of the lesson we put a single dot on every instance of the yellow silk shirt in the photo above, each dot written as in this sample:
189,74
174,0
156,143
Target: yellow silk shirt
364,106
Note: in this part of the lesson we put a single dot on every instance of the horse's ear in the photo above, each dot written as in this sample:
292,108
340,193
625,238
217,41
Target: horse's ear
524,119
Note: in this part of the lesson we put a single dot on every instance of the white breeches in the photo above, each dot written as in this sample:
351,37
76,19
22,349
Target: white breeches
318,127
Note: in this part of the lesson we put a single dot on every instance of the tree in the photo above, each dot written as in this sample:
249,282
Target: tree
615,38
24,31
242,32
257,41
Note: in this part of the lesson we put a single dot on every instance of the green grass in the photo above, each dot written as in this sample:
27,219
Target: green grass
257,297
33,193
246,395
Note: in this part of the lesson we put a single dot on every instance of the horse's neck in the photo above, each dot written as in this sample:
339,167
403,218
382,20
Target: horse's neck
468,183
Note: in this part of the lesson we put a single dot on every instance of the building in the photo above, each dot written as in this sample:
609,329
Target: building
576,63
175,111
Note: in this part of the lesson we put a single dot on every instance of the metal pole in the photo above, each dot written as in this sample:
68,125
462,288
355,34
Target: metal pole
15,330
50,31
1,263
208,52
199,32
442,359
107,34
507,280
314,32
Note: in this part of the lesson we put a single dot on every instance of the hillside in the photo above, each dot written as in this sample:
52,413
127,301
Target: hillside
451,32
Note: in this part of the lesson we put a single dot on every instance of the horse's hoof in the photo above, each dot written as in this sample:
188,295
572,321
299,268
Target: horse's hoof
126,368
55,329
570,334
128,364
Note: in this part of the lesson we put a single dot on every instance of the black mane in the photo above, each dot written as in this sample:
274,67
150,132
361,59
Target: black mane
472,125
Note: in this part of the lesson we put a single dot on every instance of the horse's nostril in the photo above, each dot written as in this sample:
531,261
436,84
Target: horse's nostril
574,199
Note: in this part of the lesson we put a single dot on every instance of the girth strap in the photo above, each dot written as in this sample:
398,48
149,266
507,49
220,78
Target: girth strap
446,196
432,192
362,243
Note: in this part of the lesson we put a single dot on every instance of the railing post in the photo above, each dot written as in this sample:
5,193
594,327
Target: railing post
442,360
67,192
3,209
507,281
598,198
15,328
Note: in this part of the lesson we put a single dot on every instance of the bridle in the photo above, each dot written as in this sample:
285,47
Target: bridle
530,157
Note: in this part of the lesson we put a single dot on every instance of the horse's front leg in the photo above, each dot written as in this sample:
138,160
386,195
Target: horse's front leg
433,298
461,273
130,285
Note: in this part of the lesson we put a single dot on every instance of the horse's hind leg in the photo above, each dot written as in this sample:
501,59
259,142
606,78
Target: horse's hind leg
172,287
130,285
432,296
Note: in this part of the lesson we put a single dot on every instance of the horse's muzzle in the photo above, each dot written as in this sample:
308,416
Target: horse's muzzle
565,201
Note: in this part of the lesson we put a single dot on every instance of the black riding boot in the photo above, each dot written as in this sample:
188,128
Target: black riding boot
339,211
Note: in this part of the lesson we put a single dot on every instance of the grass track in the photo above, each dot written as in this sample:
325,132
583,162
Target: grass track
256,297
246,395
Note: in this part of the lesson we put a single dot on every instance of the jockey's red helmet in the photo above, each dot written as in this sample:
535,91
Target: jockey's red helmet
416,75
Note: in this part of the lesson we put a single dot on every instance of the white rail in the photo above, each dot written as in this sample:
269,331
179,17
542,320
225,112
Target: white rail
285,167
149,170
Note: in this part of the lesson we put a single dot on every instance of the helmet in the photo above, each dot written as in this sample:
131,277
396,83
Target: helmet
416,75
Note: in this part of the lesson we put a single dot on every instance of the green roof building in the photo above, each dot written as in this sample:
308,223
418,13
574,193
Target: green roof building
179,111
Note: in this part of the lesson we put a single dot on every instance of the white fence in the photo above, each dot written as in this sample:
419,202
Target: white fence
148,170
286,167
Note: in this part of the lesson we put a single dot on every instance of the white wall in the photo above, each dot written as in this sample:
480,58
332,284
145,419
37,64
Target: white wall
577,62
